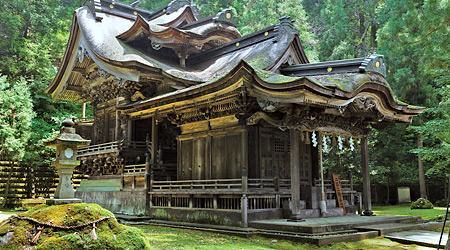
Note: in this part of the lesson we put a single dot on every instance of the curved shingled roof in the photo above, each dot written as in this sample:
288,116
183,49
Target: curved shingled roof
132,44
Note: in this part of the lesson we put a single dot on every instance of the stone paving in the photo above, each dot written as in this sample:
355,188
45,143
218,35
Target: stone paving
335,220
419,237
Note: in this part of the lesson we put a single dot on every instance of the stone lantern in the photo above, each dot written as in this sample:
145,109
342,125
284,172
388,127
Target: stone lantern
66,144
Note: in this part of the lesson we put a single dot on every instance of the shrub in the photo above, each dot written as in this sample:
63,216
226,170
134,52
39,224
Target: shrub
421,203
441,203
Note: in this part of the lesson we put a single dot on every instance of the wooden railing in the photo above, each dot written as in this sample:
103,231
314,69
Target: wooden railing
134,170
253,185
260,184
82,121
228,184
110,147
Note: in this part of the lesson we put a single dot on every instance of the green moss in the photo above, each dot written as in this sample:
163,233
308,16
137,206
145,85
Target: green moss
18,240
68,242
270,77
161,214
69,214
421,203
111,234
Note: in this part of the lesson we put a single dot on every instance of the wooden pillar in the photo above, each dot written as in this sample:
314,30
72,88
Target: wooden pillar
245,149
295,174
130,130
366,177
116,129
244,209
83,110
154,141
147,170
215,206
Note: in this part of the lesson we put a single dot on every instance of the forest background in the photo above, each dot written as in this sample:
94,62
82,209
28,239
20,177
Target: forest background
413,35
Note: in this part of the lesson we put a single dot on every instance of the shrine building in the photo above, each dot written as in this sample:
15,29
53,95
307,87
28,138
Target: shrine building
194,122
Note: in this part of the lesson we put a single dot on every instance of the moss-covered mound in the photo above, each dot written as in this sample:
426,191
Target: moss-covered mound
69,226
421,203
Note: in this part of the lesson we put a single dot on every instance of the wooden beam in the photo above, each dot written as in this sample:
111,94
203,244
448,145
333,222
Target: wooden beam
367,199
74,88
79,70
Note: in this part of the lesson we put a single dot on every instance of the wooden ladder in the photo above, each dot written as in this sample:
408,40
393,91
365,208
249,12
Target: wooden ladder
337,188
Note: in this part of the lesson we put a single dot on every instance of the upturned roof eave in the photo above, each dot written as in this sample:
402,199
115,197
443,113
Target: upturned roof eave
274,89
63,72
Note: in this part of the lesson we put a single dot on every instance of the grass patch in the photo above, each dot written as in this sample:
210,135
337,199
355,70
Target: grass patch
172,238
436,213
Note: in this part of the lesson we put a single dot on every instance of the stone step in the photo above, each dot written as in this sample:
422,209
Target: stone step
320,239
419,237
387,228
329,224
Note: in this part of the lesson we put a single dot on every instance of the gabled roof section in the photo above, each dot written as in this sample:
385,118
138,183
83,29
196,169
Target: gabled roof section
164,32
116,42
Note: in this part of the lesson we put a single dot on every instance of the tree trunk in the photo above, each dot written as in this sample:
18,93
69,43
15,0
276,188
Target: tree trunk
387,198
7,184
423,190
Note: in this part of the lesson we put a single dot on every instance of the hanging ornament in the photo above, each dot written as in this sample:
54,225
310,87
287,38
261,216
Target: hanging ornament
341,146
333,141
314,139
356,144
93,233
302,136
308,140
346,143
351,144
325,145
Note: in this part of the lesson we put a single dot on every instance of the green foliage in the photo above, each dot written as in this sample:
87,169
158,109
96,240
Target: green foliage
15,118
344,29
34,34
436,132
421,203
256,15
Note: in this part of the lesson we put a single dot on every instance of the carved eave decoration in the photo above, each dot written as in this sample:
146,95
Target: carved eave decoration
335,111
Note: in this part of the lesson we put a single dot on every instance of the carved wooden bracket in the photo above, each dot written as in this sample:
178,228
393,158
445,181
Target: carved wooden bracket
314,122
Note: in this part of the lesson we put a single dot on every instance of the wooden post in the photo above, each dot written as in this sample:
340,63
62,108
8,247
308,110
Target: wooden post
244,179
191,201
154,160
367,200
352,195
215,201
244,209
116,129
147,170
130,130
295,175
152,178
83,110
323,200
6,196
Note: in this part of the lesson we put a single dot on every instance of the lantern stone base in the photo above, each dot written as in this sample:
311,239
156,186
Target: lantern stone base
62,201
